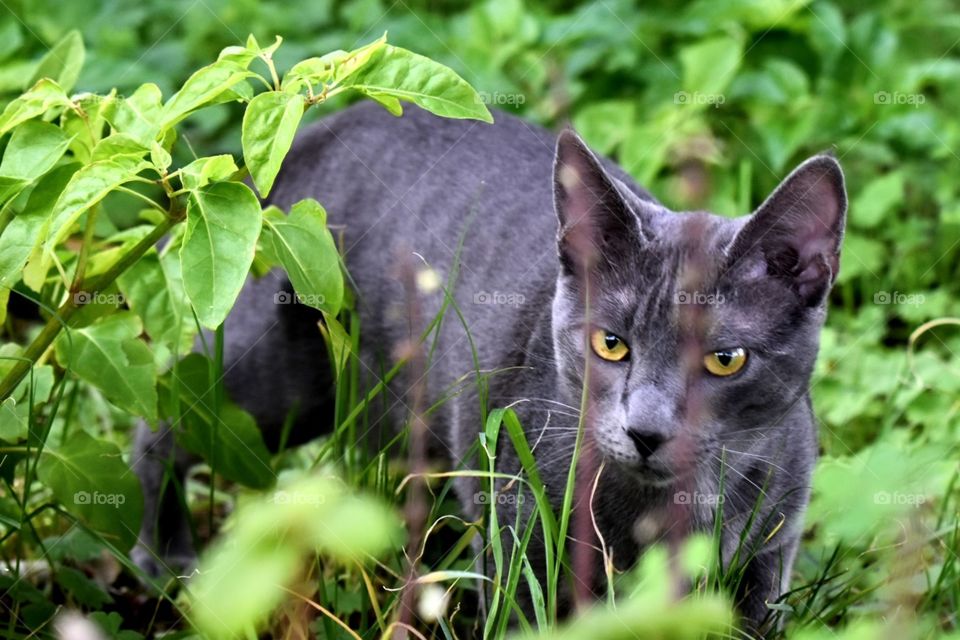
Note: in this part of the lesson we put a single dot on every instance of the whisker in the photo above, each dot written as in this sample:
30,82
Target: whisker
759,457
731,468
547,400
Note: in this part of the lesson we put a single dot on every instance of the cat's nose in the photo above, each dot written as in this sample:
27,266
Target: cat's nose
646,442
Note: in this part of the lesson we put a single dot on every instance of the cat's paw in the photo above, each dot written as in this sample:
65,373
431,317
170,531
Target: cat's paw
159,567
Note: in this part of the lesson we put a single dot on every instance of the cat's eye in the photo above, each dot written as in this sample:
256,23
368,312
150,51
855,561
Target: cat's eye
608,345
725,362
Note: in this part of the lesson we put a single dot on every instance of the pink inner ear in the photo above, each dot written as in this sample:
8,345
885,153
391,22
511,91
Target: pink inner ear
817,210
797,231
579,201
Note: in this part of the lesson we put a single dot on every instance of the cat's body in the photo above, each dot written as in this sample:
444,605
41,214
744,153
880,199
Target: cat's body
417,185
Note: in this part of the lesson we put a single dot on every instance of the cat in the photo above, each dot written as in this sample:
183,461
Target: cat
541,218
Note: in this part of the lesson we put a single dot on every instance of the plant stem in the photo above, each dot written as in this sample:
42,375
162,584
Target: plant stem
52,329
85,248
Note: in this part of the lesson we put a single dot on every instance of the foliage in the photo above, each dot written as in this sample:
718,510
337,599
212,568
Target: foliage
709,104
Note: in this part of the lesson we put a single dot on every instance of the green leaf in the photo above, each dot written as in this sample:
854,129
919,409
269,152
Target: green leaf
867,495
110,355
334,67
223,223
861,255
43,96
84,590
91,480
230,442
88,129
606,124
238,585
339,343
204,87
153,289
15,410
389,103
709,66
24,233
203,171
269,125
410,77
139,115
119,146
13,420
875,201
34,148
86,188
160,157
11,38
10,188
92,183
304,246
233,447
63,62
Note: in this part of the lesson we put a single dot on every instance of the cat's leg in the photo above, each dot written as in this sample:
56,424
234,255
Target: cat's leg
165,543
766,578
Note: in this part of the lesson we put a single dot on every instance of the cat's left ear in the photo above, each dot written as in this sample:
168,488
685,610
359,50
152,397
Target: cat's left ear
596,224
797,231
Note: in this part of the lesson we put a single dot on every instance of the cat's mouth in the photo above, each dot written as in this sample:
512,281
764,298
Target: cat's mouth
646,473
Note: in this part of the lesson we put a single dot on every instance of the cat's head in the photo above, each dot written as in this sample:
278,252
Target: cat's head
689,308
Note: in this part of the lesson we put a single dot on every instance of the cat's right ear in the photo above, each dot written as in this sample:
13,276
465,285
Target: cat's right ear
798,230
596,223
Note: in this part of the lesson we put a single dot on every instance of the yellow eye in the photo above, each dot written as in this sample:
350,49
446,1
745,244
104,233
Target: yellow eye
608,346
725,362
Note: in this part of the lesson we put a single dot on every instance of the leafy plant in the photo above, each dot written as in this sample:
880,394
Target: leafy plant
121,315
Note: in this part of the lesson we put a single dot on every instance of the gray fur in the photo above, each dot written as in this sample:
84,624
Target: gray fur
417,184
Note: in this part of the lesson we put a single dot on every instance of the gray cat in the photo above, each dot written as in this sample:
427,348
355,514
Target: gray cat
416,185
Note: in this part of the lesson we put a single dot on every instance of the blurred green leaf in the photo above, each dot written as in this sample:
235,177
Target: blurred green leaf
710,65
862,497
604,125
83,590
876,200
242,578
63,62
